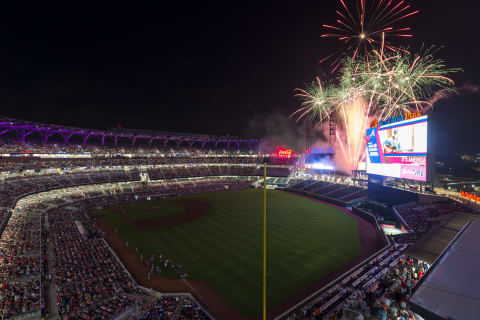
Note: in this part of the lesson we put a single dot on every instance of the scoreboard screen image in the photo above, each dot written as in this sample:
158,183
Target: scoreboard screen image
320,161
398,149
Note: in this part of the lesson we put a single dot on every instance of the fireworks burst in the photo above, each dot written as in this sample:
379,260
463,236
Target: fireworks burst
319,101
395,83
363,27
382,84
392,83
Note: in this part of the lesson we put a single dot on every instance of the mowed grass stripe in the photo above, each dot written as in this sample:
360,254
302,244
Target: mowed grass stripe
201,243
306,240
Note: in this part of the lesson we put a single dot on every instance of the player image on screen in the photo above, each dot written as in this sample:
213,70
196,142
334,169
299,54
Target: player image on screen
391,144
404,139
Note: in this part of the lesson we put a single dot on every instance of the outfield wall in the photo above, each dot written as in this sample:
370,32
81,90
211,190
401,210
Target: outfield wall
381,237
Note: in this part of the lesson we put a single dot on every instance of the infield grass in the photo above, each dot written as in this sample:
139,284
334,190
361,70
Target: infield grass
306,240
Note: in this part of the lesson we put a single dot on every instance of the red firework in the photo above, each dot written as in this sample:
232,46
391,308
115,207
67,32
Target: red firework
366,25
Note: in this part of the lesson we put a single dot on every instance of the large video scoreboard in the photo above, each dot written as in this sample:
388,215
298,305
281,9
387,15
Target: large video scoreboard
321,159
398,147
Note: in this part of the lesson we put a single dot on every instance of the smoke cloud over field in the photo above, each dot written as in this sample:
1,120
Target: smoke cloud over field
445,94
277,130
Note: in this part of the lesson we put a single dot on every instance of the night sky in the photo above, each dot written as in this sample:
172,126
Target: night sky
217,68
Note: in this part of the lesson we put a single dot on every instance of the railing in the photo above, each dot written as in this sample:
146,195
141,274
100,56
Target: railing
4,222
399,217
28,316
455,195
370,218
127,313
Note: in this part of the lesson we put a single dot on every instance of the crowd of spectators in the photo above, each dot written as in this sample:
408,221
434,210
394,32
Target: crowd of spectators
388,297
17,156
14,188
20,262
45,275
19,164
162,190
14,267
16,146
88,279
213,170
378,289
163,308
189,309
174,307
421,217
19,298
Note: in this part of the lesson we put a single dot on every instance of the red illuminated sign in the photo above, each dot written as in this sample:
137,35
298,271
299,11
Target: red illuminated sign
468,195
284,153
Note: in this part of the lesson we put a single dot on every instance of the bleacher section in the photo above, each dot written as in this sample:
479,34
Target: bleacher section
419,218
357,195
339,193
279,183
170,172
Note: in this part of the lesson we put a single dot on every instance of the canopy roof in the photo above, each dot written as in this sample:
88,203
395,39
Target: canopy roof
435,241
451,288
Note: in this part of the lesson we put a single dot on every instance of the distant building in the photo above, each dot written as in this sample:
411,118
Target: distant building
469,157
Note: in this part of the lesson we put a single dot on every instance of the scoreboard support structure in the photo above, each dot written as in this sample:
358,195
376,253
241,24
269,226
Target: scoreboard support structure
332,131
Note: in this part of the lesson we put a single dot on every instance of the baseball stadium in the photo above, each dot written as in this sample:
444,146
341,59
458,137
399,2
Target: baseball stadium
157,225
346,211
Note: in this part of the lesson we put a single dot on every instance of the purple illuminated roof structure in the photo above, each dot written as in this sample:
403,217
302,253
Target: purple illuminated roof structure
25,128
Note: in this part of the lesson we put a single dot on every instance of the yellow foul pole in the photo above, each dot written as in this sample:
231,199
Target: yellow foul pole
265,241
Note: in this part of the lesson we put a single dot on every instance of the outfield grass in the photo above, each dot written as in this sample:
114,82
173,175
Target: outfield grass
306,240
149,209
